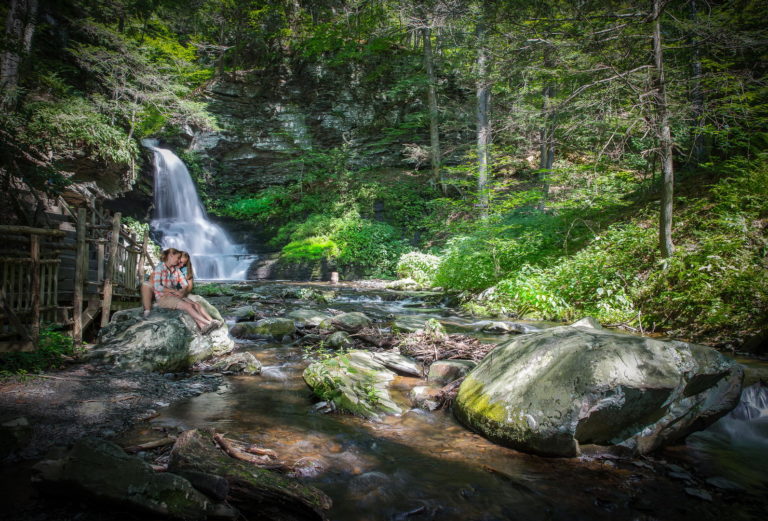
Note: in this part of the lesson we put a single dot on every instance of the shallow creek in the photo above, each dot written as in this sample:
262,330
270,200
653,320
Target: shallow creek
422,465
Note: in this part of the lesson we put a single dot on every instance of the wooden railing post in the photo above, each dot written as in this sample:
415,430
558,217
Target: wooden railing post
106,304
81,264
34,252
142,259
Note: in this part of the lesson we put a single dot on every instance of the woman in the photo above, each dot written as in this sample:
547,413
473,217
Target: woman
168,286
185,268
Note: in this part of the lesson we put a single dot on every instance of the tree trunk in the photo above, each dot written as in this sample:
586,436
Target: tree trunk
19,29
483,124
698,149
547,133
434,133
665,137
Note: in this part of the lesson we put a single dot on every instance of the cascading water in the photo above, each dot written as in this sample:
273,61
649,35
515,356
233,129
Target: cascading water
180,222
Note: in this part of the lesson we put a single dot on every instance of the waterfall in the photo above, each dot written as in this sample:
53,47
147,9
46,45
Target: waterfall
180,222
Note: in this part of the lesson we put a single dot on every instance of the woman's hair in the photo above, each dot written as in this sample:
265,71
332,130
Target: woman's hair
169,251
190,272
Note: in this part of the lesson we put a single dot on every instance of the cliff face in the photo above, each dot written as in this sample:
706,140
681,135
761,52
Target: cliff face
269,118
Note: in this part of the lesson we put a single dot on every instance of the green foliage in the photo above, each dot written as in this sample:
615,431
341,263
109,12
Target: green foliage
53,347
369,247
421,267
311,248
75,125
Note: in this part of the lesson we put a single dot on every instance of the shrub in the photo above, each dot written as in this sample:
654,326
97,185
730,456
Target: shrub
311,248
420,267
369,247
53,347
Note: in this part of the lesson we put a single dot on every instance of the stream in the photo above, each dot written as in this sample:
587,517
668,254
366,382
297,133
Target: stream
425,465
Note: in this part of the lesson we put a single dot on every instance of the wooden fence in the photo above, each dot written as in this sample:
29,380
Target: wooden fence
72,281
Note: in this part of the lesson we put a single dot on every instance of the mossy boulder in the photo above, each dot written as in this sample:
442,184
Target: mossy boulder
256,492
166,341
265,328
339,340
101,470
355,382
550,392
242,313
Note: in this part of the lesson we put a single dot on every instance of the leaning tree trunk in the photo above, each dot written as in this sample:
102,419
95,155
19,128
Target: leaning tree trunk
434,134
483,124
19,29
665,137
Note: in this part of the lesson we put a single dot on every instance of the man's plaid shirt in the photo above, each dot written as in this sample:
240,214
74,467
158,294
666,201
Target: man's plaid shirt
164,278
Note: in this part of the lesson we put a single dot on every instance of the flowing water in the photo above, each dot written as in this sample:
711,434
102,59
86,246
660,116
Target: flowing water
180,222
421,465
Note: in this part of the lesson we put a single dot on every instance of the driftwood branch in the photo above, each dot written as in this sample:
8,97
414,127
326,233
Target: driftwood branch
154,444
263,461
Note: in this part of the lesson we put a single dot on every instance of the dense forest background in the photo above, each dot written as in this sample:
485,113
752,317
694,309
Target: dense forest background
537,159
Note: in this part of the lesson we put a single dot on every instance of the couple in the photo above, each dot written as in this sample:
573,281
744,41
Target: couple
171,282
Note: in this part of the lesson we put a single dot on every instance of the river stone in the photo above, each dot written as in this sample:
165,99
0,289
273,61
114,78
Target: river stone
339,340
425,397
266,327
355,382
398,363
551,391
307,317
242,313
166,341
243,362
589,322
351,322
104,471
444,372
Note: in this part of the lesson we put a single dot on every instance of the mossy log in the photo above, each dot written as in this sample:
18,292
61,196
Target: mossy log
258,493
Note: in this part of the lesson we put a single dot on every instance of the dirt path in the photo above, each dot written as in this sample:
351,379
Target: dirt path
85,400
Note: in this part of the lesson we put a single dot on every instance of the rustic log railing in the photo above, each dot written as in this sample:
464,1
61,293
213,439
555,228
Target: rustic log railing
28,284
31,279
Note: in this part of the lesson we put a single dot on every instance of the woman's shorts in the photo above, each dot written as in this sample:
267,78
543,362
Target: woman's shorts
169,302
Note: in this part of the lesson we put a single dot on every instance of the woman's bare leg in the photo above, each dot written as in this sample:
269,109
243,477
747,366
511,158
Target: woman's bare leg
197,317
146,297
201,309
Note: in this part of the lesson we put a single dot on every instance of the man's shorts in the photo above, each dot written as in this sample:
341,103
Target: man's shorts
169,302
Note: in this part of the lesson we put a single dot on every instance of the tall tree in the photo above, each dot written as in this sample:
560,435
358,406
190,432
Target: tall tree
434,121
483,122
664,134
19,29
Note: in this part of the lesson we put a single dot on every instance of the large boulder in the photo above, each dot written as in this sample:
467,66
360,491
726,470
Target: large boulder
101,470
167,340
551,391
355,382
